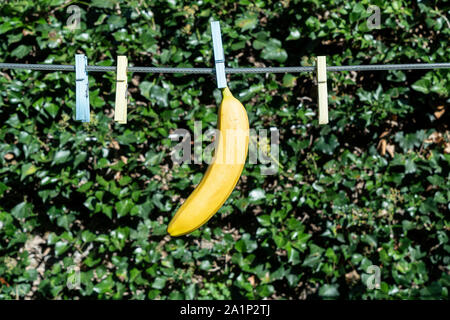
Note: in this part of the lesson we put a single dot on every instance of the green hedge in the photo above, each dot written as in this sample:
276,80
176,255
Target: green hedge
371,188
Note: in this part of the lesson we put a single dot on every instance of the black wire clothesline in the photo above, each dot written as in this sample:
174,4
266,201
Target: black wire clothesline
374,67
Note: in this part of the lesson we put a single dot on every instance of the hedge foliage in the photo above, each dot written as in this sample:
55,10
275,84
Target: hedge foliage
371,188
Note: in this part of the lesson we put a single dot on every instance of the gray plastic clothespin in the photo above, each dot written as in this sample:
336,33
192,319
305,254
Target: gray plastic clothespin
219,57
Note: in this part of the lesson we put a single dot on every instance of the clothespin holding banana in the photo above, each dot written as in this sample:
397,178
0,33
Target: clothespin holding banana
120,111
219,57
322,87
82,111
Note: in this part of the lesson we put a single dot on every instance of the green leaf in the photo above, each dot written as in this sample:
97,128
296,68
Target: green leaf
246,244
52,109
127,138
265,290
21,51
61,157
410,166
155,93
294,34
105,4
312,260
190,292
125,180
329,291
423,85
87,236
293,255
157,197
79,158
104,286
264,220
429,205
27,170
357,12
247,22
22,211
257,194
289,80
124,207
61,247
3,188
65,221
159,283
327,144
273,51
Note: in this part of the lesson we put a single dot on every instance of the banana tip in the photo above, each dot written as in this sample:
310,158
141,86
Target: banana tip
170,231
173,232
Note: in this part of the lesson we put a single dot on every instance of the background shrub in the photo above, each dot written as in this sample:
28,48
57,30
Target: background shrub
370,188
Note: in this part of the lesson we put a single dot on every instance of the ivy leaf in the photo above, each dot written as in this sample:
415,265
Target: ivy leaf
289,80
3,188
264,220
190,292
124,207
105,4
159,283
273,51
21,51
410,166
247,22
294,34
423,85
155,93
327,145
329,291
246,244
28,169
61,247
65,221
257,194
61,156
22,210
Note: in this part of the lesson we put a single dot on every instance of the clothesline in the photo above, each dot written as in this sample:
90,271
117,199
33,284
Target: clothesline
374,67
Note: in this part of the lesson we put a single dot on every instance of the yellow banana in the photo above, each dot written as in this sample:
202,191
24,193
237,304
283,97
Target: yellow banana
222,174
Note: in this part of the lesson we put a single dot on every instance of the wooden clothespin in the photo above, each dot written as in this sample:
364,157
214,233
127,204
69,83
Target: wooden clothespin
219,57
82,111
120,111
322,87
